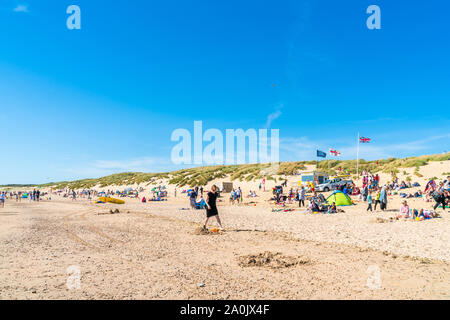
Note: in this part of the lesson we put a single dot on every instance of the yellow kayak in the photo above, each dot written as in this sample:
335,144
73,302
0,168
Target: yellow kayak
111,200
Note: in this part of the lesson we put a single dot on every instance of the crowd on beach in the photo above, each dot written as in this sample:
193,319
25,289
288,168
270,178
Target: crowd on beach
34,195
371,192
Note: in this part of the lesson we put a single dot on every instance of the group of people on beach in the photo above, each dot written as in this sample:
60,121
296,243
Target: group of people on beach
34,195
236,196
439,192
371,192
380,199
422,214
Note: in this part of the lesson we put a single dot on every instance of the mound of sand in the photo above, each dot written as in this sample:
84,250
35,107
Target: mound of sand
382,220
272,260
205,232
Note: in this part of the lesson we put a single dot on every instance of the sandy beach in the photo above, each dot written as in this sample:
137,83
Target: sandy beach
157,251
224,150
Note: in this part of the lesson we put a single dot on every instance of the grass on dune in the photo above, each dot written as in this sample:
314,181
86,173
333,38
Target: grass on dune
250,172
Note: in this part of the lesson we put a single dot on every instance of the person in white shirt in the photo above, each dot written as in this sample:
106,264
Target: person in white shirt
301,196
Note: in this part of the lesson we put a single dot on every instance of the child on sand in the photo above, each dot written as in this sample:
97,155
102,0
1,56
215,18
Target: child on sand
332,208
369,201
404,210
377,199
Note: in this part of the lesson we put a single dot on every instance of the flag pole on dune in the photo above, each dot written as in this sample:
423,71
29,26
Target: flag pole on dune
328,165
357,157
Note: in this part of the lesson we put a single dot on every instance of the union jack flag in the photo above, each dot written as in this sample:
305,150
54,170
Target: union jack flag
364,140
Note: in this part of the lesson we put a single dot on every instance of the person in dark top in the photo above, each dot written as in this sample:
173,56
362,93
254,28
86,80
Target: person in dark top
211,210
193,199
439,196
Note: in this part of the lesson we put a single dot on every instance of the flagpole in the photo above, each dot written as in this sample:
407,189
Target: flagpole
357,158
329,164
317,162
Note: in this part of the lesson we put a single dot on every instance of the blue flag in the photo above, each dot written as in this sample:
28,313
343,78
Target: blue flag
321,154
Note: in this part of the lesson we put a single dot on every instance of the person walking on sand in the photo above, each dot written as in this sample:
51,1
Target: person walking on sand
193,199
2,199
301,197
377,199
369,201
439,197
211,207
238,195
383,199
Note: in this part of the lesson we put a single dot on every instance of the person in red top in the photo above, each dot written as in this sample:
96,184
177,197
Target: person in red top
376,179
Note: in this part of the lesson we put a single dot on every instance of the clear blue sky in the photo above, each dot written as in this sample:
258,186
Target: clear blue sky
104,99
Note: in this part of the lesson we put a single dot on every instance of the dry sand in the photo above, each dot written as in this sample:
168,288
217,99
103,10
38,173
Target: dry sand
155,251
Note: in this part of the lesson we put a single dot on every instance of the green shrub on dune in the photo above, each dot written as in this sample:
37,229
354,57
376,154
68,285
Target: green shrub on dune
198,176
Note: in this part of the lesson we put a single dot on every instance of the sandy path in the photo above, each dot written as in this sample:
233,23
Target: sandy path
155,256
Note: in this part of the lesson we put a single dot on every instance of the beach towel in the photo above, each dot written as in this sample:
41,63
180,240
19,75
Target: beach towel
201,204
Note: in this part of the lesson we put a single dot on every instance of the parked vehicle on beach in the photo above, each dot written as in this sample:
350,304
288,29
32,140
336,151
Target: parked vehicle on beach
333,184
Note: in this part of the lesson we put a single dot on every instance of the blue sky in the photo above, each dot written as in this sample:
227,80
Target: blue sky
106,98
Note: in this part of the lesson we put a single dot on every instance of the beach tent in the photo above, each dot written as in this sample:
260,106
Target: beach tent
340,199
